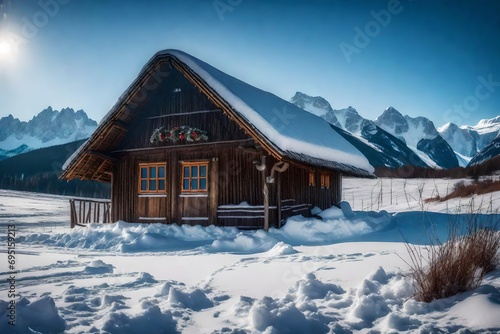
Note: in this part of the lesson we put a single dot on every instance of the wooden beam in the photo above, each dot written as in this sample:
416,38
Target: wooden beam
251,148
119,124
186,113
102,155
98,173
179,147
308,166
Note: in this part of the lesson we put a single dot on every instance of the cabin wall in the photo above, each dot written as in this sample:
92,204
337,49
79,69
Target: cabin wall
229,152
295,185
236,180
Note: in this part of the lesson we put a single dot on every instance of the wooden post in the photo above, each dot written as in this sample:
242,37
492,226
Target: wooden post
72,212
213,191
278,197
174,191
106,213
87,221
80,217
110,206
279,167
265,191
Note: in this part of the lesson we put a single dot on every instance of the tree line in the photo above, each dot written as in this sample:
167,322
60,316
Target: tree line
39,171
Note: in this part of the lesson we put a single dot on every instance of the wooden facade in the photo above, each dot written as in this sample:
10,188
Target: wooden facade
213,181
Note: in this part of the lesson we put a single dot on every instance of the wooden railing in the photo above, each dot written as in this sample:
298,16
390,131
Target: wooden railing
86,211
290,208
252,216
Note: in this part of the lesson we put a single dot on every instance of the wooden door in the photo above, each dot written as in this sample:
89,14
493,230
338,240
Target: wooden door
194,194
152,192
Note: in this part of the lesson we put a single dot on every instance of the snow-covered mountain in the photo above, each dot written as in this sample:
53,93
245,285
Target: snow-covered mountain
48,128
381,148
468,140
397,142
314,104
408,129
489,151
420,135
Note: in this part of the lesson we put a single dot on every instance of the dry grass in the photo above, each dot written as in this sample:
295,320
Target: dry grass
465,190
444,269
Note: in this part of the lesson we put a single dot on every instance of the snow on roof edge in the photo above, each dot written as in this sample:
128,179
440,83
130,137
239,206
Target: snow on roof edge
358,161
285,143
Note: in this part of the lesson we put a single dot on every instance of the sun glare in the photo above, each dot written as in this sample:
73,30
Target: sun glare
5,49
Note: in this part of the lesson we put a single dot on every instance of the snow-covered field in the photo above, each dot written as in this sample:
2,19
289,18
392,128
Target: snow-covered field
343,274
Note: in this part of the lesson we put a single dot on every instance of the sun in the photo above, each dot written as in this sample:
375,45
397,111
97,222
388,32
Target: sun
6,49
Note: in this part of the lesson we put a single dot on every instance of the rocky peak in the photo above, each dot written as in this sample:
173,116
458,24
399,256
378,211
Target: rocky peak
314,104
48,126
392,121
489,121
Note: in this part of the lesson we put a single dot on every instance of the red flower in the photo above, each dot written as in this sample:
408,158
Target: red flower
193,134
169,134
181,136
162,136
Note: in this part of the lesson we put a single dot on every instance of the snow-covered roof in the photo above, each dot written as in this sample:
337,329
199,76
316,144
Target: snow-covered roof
293,132
287,126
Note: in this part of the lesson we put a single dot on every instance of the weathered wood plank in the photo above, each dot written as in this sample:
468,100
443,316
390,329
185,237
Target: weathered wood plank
213,190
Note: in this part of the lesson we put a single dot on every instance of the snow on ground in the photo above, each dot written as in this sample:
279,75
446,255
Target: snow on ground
396,195
342,274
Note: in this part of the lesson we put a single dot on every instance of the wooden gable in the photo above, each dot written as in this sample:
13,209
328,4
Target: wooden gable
177,102
162,96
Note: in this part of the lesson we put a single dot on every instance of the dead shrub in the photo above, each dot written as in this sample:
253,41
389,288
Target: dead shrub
461,189
444,269
459,185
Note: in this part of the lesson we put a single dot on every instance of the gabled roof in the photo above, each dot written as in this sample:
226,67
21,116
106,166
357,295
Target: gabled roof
281,128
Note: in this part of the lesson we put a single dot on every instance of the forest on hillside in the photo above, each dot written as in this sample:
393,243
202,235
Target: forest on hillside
39,171
487,167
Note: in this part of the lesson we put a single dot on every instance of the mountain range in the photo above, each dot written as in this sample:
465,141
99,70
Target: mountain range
469,140
39,170
49,128
394,140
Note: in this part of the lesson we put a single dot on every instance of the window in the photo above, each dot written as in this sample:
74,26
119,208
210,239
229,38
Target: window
312,182
325,180
194,176
152,177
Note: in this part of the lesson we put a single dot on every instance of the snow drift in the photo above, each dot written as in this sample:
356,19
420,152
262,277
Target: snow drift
131,238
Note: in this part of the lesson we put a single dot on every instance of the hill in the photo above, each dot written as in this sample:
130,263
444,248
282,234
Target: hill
39,171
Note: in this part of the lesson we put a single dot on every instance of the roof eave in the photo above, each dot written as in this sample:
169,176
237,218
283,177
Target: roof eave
105,125
110,117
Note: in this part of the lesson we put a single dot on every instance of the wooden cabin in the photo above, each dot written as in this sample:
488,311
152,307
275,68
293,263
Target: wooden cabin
189,144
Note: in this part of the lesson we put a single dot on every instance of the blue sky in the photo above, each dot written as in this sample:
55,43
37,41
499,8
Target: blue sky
438,59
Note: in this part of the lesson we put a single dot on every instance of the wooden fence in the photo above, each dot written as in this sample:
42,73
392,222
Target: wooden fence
86,211
252,216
